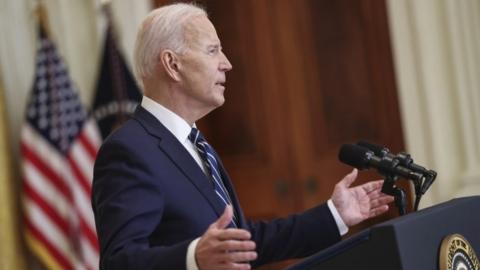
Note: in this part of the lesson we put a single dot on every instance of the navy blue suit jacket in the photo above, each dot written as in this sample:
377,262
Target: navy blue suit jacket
151,199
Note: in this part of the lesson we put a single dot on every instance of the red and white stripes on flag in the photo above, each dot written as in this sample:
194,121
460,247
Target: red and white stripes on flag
59,143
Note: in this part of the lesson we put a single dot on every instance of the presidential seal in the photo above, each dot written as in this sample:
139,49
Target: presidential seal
457,254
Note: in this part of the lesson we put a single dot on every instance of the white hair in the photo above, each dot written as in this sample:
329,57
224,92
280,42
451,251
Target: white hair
163,28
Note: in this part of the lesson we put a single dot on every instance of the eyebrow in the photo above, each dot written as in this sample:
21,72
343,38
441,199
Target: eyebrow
216,46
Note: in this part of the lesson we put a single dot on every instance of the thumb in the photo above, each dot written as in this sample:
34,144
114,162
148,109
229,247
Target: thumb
349,178
223,221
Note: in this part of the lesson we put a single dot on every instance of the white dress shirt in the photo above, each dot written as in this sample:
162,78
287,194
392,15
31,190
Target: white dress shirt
181,129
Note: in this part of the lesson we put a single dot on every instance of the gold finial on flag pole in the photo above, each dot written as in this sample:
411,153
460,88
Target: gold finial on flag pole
108,13
42,16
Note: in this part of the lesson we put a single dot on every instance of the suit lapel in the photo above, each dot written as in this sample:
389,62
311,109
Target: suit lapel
180,157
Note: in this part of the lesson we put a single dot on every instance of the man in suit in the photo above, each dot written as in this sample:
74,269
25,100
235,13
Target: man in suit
161,196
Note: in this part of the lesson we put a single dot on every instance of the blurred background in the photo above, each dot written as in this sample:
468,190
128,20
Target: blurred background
308,76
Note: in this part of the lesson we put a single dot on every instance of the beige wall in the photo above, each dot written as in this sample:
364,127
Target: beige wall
10,252
436,46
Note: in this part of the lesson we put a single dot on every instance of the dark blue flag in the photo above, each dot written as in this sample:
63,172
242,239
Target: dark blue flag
117,92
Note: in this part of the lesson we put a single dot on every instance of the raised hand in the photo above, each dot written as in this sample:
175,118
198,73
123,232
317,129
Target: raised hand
355,204
225,248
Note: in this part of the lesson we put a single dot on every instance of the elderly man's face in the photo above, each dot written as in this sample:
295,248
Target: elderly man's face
203,65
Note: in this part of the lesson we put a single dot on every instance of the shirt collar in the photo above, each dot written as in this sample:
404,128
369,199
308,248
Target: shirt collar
173,122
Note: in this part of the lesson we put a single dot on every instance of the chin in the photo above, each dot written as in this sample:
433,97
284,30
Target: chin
219,100
219,103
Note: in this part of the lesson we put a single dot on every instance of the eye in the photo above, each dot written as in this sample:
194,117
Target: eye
213,50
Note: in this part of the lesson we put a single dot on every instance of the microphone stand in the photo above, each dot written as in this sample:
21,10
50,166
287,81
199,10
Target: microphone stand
422,186
398,193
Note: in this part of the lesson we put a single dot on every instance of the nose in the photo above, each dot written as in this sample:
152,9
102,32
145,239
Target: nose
225,65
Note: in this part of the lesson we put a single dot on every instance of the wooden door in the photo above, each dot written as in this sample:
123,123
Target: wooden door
248,130
341,87
322,72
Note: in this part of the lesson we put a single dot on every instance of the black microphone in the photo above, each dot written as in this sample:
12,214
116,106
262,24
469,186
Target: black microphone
363,158
404,158
407,161
377,149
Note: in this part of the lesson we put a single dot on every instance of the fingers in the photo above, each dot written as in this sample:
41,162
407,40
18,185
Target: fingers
378,210
223,221
385,199
379,204
225,248
238,234
236,245
376,194
234,266
349,178
238,256
378,198
372,186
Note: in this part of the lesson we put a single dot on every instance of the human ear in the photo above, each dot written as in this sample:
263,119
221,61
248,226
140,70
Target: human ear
170,63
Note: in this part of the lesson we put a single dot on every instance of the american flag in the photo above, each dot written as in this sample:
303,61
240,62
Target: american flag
59,142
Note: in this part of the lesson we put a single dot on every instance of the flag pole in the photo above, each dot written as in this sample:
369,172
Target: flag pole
106,6
42,17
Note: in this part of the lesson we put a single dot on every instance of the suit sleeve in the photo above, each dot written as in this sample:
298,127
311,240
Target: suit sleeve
128,206
297,236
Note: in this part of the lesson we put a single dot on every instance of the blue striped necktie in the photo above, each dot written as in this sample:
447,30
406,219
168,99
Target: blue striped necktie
211,163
